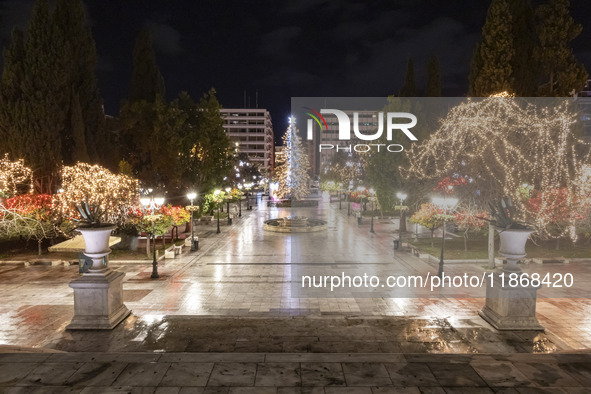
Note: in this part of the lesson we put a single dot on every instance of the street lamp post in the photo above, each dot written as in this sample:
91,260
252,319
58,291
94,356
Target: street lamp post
152,203
248,191
240,202
401,228
360,189
372,199
445,204
192,196
349,205
228,205
216,194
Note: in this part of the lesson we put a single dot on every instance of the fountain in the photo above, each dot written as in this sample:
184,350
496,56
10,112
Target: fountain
295,224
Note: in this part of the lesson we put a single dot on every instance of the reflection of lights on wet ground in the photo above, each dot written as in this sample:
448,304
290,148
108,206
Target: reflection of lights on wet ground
193,302
218,273
148,321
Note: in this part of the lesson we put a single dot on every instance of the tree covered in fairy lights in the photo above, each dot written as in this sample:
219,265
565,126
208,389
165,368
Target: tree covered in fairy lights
116,193
15,177
502,143
292,173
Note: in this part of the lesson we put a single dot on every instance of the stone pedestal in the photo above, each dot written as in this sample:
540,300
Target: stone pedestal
98,301
510,308
98,293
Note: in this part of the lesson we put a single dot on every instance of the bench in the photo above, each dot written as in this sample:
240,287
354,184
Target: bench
206,219
178,250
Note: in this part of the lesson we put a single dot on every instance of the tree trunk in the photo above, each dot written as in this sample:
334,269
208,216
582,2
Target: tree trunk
148,245
432,235
402,221
465,242
39,249
491,246
557,243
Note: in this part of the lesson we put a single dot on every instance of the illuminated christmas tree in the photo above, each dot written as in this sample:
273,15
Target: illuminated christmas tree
292,173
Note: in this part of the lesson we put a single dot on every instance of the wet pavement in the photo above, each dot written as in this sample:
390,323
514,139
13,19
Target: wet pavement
263,373
235,294
235,298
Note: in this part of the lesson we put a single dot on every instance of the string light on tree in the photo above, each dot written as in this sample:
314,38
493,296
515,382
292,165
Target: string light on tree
501,143
291,174
116,193
15,177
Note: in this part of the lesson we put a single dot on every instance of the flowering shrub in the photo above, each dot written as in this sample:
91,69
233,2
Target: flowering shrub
330,186
178,214
39,206
447,184
430,216
235,195
470,221
32,217
360,196
553,206
157,224
555,212
212,201
130,223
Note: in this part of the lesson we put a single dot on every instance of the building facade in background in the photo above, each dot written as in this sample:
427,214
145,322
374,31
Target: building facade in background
252,129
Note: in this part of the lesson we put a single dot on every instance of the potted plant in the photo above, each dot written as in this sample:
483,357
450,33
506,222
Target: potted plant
510,307
98,294
129,234
512,232
96,234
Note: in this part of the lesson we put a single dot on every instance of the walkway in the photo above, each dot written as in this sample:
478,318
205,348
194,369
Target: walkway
237,300
260,373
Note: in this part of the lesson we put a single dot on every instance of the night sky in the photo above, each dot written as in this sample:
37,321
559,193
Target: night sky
286,48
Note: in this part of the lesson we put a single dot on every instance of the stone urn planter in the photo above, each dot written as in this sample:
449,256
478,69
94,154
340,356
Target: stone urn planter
96,241
513,246
510,307
98,293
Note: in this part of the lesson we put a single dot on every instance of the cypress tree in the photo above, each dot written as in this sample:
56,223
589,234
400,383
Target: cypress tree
77,59
525,67
409,88
560,71
11,131
41,115
492,70
433,78
475,68
79,151
146,81
51,106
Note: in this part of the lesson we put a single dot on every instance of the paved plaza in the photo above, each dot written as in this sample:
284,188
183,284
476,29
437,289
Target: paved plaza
234,299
